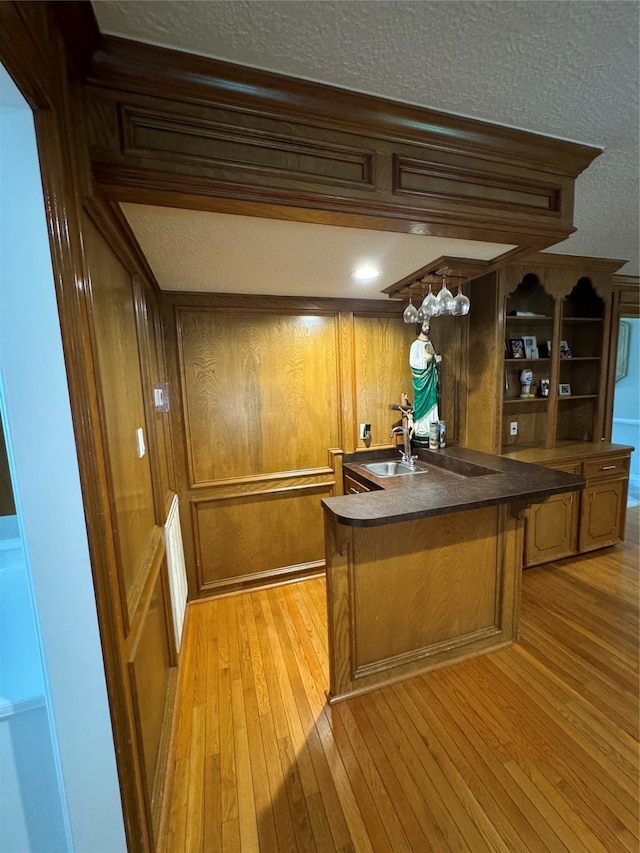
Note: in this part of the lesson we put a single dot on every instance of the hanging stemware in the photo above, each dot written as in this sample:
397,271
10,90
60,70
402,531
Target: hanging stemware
461,304
430,305
410,314
445,298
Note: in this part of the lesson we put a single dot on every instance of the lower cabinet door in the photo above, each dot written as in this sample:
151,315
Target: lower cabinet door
551,530
602,514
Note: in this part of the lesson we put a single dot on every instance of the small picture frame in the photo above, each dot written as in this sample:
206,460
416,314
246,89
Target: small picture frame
516,348
564,389
565,352
543,388
530,346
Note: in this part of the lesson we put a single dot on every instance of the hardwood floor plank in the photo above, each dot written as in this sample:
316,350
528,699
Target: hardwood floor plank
374,827
350,808
469,805
539,837
532,749
227,750
418,822
583,721
212,708
509,821
231,837
194,839
383,790
212,810
459,832
276,776
295,794
547,808
543,749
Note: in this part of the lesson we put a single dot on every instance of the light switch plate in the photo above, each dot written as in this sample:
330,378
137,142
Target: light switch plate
161,396
140,439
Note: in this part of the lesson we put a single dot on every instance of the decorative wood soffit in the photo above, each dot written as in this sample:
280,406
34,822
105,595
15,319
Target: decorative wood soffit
457,271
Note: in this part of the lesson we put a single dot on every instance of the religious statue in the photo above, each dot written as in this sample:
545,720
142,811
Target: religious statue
424,360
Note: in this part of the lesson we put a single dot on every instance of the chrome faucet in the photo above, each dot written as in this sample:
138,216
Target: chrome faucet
407,458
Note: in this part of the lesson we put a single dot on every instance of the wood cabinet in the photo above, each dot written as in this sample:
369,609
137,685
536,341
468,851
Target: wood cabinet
550,315
603,503
353,487
551,528
555,317
579,521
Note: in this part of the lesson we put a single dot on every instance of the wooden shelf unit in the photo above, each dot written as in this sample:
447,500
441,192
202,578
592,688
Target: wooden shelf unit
571,431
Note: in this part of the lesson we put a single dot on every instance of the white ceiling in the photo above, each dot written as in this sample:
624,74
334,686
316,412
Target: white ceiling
564,68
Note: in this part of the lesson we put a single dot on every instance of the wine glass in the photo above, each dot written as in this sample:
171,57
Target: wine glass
445,298
430,305
461,304
410,314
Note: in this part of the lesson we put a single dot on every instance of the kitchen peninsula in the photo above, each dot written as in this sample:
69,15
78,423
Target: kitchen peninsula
424,569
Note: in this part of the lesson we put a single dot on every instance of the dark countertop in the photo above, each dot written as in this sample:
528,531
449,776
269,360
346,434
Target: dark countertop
453,483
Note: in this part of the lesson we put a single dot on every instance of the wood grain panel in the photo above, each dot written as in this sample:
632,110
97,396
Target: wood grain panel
149,672
122,406
260,392
552,529
223,143
485,383
423,572
382,374
456,182
252,538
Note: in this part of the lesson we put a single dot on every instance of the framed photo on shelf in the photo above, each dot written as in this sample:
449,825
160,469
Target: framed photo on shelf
530,346
564,389
516,348
565,352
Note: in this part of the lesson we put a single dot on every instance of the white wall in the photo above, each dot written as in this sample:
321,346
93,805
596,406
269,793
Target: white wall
38,423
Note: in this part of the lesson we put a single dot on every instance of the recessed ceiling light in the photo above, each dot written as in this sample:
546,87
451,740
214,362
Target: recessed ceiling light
366,272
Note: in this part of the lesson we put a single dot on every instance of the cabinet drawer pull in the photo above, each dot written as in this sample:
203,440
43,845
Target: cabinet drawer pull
608,467
354,491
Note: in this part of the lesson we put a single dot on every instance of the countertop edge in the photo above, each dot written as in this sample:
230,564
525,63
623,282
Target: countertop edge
406,503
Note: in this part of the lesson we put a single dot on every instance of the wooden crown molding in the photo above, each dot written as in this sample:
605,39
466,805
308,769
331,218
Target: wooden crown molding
124,65
171,128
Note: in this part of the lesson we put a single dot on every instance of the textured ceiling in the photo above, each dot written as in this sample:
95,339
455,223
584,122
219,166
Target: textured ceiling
566,69
196,251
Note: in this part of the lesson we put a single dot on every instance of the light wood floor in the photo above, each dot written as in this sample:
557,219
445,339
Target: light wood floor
533,748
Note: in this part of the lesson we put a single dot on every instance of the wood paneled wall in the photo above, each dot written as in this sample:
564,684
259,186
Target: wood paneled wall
125,330
265,389
113,348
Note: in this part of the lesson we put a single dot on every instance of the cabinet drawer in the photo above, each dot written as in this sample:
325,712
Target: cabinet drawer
614,466
575,468
353,487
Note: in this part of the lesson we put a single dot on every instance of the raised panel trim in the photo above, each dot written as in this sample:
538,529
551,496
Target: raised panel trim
304,487
241,148
437,650
241,484
269,578
139,594
426,178
281,574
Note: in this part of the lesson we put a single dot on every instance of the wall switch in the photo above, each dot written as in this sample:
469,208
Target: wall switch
161,396
140,439
513,428
365,431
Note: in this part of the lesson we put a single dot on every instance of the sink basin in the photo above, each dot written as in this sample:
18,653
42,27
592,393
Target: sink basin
393,468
